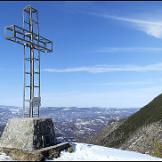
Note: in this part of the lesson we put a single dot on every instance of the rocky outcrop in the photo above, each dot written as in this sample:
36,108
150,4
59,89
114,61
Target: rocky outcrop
141,132
145,138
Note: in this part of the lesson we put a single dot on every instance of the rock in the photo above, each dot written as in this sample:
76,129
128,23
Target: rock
36,155
28,134
31,139
70,149
22,155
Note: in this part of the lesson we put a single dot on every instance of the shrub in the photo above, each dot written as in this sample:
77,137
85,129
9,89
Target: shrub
157,149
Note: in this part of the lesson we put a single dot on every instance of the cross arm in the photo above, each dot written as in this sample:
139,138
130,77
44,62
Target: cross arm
23,37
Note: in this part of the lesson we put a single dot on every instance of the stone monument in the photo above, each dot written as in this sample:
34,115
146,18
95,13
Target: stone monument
28,134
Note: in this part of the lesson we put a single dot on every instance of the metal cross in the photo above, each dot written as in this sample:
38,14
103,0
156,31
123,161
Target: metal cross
33,44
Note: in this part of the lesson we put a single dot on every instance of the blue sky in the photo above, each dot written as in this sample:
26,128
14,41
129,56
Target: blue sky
106,54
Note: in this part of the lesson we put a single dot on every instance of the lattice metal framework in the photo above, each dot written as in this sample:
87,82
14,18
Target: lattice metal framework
33,44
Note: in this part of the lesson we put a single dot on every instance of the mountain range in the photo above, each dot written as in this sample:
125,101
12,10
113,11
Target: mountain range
72,123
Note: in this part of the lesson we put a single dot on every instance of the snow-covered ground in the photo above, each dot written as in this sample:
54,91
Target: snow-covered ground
4,157
86,152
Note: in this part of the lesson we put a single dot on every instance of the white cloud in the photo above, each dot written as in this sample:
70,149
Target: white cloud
108,68
153,28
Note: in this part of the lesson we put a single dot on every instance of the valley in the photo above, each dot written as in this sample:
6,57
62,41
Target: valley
73,124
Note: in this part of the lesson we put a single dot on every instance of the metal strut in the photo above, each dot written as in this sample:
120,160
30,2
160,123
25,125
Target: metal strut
33,44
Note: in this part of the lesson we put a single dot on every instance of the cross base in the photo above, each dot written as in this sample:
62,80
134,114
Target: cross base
28,134
38,155
31,139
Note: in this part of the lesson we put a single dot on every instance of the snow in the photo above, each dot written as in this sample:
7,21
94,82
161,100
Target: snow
4,157
87,152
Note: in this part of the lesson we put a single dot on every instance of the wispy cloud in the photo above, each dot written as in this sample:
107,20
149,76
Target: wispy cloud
150,27
128,49
108,68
